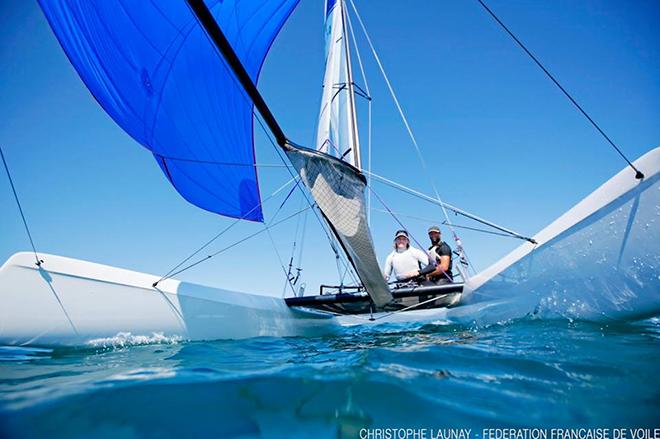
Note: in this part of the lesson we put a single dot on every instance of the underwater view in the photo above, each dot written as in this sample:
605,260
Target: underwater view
525,373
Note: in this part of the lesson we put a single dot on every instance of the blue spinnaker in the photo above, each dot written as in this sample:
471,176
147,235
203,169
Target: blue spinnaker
153,69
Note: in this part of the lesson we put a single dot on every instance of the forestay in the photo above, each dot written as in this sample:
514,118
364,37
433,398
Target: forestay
155,72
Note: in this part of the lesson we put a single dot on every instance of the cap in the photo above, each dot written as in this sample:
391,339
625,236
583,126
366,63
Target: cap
434,229
401,233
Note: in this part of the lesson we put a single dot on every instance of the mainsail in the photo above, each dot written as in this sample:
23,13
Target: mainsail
337,184
156,73
337,129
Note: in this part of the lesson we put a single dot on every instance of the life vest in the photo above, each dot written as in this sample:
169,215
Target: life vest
435,248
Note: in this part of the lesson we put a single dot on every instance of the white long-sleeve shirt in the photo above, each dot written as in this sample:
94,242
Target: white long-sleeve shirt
404,262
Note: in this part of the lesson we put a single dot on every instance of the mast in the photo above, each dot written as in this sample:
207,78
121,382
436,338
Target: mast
355,140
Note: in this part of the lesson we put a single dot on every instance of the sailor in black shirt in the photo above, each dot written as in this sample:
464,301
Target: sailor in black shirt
442,252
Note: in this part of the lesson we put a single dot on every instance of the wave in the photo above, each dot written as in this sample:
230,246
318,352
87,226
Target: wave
125,339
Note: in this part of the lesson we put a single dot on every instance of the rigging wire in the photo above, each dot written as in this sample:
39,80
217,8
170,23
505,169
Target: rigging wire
20,209
328,235
410,234
222,232
302,242
259,232
430,220
638,174
409,129
293,253
289,275
280,137
452,208
272,241
396,218
367,95
476,229
213,162
279,258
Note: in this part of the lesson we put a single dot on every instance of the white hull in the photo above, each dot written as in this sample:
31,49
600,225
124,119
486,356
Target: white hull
69,301
599,261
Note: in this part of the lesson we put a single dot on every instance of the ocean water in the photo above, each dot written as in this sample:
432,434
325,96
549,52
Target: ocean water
526,373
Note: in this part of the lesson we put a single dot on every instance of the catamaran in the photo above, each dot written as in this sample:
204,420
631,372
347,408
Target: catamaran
180,78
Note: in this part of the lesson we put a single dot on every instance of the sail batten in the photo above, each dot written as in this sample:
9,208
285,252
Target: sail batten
156,73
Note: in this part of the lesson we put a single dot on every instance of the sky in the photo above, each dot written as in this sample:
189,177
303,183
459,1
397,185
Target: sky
498,138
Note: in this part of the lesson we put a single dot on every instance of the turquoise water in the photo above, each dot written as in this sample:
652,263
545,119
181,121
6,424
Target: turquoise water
528,373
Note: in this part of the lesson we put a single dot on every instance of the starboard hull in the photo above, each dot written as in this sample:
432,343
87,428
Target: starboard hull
599,261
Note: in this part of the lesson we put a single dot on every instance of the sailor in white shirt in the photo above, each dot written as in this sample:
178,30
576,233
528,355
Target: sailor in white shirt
405,261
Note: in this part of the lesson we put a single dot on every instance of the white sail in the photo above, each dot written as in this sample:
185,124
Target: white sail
337,130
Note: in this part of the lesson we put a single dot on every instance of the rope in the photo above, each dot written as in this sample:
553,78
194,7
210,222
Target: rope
20,209
272,241
328,235
302,241
638,174
401,224
454,209
212,162
222,232
369,112
279,258
430,220
490,232
289,275
237,242
407,125
395,217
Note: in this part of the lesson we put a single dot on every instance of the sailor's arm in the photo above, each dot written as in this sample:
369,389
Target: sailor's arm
442,266
387,271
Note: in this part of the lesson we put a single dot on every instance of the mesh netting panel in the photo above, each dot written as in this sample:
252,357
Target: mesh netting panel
339,192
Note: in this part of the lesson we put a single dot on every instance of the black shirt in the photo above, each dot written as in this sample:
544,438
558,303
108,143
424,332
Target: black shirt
443,249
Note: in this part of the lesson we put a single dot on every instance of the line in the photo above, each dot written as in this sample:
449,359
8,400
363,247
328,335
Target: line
20,209
638,174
